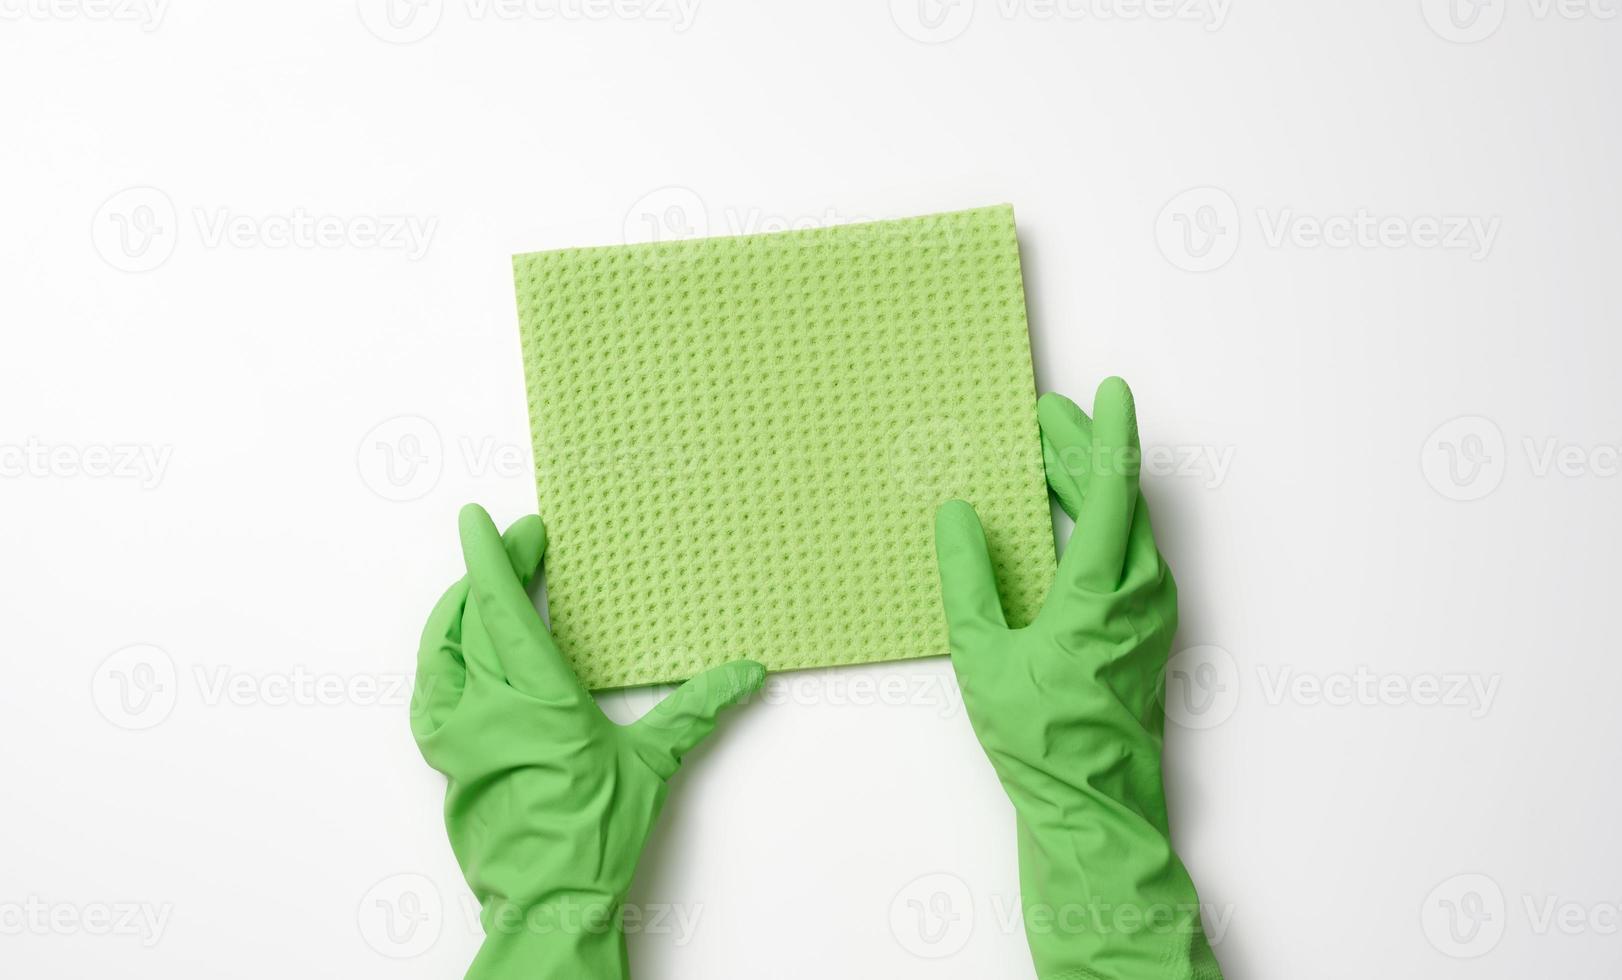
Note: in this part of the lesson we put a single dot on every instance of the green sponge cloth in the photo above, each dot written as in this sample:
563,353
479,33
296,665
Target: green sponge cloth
740,442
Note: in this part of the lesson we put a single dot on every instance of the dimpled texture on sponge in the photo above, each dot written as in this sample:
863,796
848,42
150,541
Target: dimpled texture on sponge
740,442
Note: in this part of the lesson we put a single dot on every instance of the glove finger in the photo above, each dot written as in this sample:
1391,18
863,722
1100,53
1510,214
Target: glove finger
968,581
685,718
524,651
1097,550
525,542
1067,440
441,672
1143,559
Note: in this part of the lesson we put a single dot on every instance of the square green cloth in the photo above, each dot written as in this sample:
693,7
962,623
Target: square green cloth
740,442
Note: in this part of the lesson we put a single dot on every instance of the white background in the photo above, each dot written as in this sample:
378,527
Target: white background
1330,525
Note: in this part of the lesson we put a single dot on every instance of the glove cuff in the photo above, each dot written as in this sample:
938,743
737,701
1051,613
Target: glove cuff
564,936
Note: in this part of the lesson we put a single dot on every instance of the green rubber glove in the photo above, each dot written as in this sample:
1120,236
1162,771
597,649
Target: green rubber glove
549,802
1069,710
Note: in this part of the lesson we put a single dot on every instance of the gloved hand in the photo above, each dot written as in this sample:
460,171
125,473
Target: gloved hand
549,802
1069,711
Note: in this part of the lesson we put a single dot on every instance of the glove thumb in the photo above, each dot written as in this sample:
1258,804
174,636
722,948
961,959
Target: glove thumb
687,717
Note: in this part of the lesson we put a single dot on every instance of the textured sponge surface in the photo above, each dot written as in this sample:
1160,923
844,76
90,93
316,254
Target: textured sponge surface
740,442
